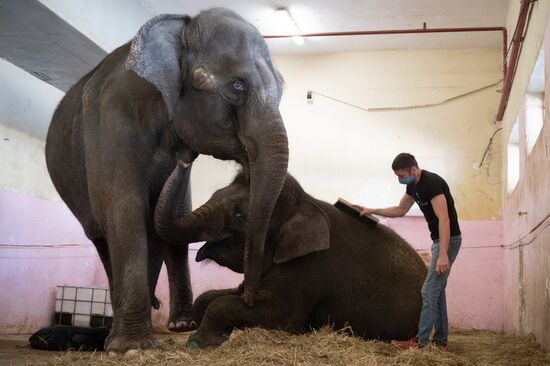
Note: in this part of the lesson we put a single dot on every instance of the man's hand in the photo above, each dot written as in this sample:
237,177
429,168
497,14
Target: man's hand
442,267
364,210
367,211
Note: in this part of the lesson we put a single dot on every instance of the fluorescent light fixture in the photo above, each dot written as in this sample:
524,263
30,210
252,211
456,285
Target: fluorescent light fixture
299,40
287,22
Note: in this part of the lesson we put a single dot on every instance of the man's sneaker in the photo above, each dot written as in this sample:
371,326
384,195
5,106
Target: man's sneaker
408,344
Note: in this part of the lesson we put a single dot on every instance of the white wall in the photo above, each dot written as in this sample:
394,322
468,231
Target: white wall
336,149
26,107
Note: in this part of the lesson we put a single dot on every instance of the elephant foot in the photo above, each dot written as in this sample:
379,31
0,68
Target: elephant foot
182,324
120,344
197,341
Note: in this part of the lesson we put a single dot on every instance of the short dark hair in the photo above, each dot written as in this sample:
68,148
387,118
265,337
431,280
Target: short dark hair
404,161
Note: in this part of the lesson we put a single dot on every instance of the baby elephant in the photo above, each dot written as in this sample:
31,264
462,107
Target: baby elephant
321,266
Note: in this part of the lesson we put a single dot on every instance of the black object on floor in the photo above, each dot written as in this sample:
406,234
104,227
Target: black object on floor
63,337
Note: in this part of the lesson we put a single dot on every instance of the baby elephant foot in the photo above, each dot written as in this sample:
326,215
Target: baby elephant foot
198,340
183,324
120,344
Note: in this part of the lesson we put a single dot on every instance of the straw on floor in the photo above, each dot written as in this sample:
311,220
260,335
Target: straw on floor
327,347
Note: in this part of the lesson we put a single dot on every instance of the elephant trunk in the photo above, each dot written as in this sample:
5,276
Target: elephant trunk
266,146
171,200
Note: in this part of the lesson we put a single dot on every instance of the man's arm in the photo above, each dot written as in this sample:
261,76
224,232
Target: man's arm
439,204
396,211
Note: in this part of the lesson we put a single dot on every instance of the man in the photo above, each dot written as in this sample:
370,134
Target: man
432,195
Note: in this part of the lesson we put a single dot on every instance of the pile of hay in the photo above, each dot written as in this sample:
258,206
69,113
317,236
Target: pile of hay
326,347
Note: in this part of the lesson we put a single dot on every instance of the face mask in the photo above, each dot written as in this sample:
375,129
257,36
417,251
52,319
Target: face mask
407,180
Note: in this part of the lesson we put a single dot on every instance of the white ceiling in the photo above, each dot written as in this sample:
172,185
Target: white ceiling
314,16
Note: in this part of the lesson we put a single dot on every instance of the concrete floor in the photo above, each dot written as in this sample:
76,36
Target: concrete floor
15,351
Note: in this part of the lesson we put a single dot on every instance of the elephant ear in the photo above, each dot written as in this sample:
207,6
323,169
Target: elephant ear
307,231
155,55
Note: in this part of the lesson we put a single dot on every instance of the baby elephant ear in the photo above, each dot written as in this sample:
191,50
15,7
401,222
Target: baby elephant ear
155,55
307,231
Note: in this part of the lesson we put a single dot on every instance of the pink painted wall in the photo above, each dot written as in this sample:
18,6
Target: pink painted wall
474,290
527,235
41,246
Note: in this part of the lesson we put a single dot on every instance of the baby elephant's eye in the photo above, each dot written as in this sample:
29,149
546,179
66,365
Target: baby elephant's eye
239,217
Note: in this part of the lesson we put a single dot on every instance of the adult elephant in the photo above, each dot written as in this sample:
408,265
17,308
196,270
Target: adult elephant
182,86
321,266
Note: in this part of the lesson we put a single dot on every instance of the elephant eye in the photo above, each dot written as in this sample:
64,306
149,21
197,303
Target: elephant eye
238,86
239,217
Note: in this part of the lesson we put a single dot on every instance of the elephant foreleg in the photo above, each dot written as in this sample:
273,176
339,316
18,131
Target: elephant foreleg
177,266
181,295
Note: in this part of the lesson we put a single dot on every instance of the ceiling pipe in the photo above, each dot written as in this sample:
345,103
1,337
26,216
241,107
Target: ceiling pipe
517,39
417,31
395,31
414,31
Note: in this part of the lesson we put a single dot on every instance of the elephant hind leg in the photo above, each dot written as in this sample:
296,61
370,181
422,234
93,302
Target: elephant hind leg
103,252
203,301
228,312
155,302
157,250
131,296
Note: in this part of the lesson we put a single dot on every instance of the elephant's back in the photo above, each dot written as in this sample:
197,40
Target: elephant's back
74,125
379,278
64,152
65,133
375,253
352,238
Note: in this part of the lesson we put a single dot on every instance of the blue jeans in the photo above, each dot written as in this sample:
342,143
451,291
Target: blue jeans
434,303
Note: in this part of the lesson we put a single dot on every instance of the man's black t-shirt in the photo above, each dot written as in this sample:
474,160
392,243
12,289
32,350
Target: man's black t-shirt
429,186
